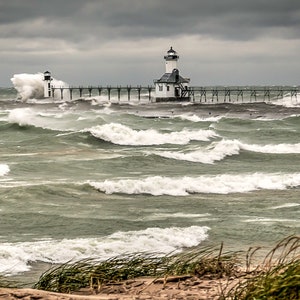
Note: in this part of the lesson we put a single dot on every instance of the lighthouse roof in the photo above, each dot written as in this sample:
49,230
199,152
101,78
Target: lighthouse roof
172,78
171,55
172,51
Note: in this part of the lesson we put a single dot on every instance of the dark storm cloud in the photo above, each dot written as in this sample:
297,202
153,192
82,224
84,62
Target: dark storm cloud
231,19
219,41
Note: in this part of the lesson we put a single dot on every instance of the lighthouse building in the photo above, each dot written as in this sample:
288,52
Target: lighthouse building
47,84
171,86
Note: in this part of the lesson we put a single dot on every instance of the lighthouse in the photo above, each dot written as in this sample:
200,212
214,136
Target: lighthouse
171,60
171,86
47,84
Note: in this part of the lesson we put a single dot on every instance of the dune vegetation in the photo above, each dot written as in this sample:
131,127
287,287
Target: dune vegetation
276,277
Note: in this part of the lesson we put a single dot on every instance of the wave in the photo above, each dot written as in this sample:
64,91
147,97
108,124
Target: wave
214,152
31,86
286,205
16,257
22,117
4,169
196,119
55,121
288,101
183,186
123,135
217,151
273,149
269,221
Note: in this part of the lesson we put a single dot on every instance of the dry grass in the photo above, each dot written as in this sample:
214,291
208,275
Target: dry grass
278,277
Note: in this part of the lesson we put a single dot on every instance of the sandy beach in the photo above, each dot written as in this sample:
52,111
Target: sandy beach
177,288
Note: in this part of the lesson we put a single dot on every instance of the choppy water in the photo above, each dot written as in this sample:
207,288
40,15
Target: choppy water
89,179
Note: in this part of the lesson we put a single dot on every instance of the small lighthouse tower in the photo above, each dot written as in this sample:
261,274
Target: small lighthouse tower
171,60
171,86
47,84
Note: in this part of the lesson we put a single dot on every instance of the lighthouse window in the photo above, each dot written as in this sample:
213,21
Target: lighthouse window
160,88
168,88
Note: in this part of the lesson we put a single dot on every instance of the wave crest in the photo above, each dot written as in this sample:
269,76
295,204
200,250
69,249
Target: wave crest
16,257
217,151
183,186
123,135
31,86
4,169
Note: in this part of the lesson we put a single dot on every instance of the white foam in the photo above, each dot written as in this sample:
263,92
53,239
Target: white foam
183,186
4,169
267,221
124,135
163,216
288,101
217,151
286,205
22,116
196,119
31,86
16,257
30,117
275,148
208,155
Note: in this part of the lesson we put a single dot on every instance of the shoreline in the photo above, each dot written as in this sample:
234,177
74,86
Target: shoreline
191,276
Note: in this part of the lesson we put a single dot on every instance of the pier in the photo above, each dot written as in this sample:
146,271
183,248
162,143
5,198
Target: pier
242,93
234,94
107,91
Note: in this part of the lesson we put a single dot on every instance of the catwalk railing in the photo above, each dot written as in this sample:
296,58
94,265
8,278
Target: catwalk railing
196,94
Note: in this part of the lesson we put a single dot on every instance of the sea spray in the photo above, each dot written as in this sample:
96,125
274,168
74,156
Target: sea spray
31,86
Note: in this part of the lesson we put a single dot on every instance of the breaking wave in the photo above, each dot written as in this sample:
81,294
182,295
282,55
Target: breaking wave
217,151
31,86
183,186
4,169
288,101
124,135
196,119
16,257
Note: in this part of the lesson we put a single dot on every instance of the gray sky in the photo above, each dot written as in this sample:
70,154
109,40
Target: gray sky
100,42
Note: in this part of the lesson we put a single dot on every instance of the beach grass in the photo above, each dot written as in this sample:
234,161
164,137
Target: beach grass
276,277
194,261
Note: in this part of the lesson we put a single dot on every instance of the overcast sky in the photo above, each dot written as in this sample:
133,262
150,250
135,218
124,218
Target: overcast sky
101,42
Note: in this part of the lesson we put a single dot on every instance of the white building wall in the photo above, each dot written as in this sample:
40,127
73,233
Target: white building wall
162,90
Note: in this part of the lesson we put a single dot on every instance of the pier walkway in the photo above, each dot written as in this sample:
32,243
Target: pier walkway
219,94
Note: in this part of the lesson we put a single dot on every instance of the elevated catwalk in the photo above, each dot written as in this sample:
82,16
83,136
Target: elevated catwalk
195,94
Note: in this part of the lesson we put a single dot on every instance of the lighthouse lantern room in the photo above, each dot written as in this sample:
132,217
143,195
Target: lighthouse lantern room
171,86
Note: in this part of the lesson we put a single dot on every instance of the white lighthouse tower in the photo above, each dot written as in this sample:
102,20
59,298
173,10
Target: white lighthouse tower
171,86
171,60
47,84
